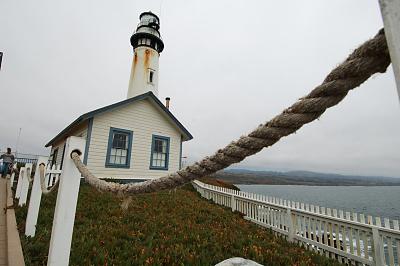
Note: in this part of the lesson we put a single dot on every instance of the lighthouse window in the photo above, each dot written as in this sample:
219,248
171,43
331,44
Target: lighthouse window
151,76
156,46
148,41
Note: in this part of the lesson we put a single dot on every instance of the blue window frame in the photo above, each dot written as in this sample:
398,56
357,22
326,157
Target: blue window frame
159,153
119,148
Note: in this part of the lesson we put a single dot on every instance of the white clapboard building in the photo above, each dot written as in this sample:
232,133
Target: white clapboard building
137,138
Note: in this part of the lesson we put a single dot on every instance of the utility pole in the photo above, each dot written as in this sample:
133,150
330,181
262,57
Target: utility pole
16,146
1,58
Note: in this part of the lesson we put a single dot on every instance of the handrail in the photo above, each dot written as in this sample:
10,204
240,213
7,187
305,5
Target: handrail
333,232
299,210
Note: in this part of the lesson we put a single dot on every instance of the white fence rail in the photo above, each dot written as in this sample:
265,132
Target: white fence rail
348,237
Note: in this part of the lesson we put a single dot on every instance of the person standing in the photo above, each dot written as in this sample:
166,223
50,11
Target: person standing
8,160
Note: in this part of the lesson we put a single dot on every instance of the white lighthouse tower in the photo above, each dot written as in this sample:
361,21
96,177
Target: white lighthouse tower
147,46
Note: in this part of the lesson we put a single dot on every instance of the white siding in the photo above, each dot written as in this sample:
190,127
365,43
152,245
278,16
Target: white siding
144,120
80,131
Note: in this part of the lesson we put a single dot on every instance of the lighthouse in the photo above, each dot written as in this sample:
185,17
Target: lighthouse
147,46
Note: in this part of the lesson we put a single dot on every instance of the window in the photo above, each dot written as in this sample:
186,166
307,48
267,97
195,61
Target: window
54,157
159,153
151,76
63,153
119,148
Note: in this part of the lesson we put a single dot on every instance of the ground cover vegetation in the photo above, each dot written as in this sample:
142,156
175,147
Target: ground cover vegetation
217,182
175,227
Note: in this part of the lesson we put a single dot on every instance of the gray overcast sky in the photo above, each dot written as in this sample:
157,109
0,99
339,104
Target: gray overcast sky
227,66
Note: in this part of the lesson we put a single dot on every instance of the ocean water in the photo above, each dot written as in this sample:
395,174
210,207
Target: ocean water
382,201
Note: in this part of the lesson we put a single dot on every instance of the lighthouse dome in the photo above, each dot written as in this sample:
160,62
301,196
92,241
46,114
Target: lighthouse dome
147,32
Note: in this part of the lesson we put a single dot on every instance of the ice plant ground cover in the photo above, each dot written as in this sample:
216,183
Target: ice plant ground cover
175,227
217,182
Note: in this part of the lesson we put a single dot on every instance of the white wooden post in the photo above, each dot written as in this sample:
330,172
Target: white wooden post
19,183
67,198
25,185
390,10
290,220
233,203
13,175
378,256
34,202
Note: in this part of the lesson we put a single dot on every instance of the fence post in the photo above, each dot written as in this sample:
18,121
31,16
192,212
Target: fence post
377,244
25,184
233,203
34,201
19,182
391,20
290,221
13,175
67,198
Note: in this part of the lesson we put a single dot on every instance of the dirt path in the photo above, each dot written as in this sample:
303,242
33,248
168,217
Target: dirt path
3,240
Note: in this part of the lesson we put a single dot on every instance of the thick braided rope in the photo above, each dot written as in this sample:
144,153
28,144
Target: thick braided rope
28,174
43,186
370,58
21,174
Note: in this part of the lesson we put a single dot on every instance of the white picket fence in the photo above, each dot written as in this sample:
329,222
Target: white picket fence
52,175
348,237
67,197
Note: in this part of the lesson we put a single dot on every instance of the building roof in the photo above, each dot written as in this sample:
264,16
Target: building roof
148,95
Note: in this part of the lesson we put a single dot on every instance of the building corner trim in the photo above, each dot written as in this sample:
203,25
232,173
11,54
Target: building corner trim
88,137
